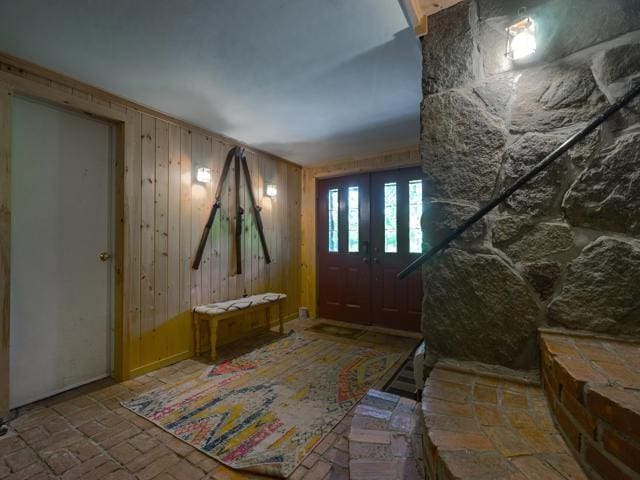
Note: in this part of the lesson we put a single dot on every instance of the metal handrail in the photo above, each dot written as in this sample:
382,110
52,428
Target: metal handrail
544,163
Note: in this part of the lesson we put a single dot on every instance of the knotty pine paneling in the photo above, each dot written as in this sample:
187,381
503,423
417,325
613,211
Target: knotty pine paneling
173,210
162,212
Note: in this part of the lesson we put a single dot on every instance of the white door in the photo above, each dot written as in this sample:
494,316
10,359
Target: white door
61,220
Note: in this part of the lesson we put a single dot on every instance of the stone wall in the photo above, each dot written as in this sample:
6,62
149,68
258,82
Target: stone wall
564,250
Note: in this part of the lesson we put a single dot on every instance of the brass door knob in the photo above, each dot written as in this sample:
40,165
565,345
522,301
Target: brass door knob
104,256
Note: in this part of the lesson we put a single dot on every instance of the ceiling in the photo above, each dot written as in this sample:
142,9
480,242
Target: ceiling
309,80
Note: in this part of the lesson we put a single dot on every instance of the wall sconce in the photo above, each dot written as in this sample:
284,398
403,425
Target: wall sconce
521,37
271,190
203,174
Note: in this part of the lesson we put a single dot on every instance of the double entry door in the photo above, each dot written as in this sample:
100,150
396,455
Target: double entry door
368,229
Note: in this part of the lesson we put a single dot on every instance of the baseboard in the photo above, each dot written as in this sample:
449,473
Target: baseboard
149,367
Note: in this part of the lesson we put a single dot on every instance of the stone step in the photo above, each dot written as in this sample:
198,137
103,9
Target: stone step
593,385
385,440
481,423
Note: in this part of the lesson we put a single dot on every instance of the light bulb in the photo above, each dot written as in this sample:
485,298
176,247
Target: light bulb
203,174
271,190
523,44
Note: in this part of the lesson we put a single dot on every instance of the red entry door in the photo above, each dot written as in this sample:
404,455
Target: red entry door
368,229
396,241
343,243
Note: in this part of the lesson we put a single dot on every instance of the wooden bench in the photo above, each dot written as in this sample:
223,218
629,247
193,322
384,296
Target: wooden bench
214,312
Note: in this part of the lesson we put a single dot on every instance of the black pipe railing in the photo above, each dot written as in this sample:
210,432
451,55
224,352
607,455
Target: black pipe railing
544,163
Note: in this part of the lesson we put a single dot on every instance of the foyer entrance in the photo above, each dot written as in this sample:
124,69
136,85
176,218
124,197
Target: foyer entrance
368,229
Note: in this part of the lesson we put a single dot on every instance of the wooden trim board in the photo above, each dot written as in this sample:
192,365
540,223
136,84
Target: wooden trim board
5,243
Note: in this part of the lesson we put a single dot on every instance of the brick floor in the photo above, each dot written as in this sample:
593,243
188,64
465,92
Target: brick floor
593,385
492,426
86,434
385,439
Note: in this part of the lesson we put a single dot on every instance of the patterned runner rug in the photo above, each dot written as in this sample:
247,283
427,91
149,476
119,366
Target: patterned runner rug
265,411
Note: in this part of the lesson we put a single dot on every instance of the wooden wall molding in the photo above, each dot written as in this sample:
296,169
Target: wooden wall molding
5,243
160,210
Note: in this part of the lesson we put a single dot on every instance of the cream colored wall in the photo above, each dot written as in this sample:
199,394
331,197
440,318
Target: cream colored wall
308,271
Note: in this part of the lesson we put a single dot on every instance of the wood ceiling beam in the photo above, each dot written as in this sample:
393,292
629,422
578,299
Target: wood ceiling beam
419,11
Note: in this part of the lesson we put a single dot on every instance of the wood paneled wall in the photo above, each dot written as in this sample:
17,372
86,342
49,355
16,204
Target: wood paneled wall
172,208
161,210
308,271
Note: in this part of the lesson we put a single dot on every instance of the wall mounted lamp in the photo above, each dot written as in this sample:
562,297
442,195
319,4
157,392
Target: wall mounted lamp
271,190
203,174
521,37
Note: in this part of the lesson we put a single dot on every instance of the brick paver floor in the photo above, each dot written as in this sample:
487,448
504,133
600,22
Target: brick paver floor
385,440
481,425
86,433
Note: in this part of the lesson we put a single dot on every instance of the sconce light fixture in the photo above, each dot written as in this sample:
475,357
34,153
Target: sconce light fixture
203,174
521,37
271,190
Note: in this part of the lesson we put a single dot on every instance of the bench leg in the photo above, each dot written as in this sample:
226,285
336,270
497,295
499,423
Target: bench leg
213,337
196,333
281,325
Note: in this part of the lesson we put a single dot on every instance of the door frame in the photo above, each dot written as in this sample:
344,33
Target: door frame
339,171
123,129
111,221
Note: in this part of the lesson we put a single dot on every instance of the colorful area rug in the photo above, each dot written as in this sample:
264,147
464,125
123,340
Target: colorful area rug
265,411
337,330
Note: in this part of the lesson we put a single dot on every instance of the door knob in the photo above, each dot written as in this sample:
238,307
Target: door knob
365,259
104,256
375,260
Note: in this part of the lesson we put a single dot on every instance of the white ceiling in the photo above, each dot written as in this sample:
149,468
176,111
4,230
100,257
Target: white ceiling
309,80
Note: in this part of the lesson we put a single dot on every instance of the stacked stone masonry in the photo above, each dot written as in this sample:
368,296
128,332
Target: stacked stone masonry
591,382
564,250
479,425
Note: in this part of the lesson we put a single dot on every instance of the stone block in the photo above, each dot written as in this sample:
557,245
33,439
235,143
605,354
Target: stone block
555,96
568,27
541,241
615,64
544,192
450,50
461,146
606,196
478,308
497,93
441,218
601,288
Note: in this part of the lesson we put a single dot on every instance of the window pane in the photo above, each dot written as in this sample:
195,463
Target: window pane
354,219
333,220
415,212
390,218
